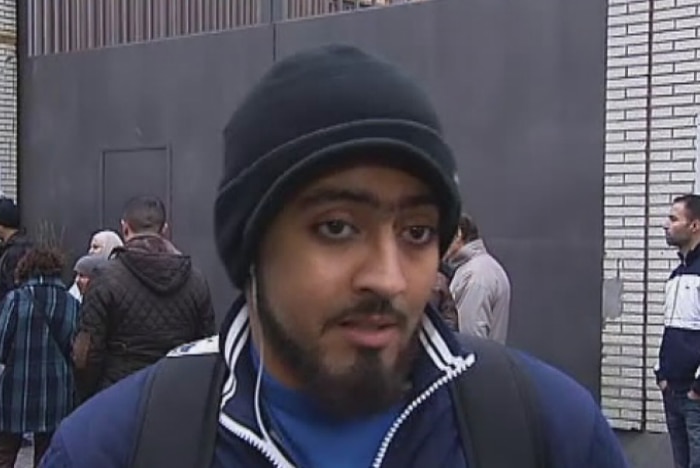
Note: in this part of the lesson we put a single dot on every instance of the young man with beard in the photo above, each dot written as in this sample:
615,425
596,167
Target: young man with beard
338,197
678,369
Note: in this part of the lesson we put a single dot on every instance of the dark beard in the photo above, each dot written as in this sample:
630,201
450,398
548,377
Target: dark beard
366,388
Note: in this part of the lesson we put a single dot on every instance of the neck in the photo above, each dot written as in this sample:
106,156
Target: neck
690,247
135,235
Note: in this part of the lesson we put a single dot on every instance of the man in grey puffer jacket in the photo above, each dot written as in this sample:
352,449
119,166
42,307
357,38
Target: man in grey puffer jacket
480,285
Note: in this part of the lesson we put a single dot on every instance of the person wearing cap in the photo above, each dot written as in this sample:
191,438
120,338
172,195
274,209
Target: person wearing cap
332,221
15,243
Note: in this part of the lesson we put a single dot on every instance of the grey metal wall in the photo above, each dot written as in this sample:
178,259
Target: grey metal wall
520,86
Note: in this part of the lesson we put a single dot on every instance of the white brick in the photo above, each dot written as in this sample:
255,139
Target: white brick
675,56
660,79
674,13
692,21
675,35
687,44
681,67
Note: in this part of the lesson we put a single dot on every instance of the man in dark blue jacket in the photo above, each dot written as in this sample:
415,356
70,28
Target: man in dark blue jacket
678,369
338,199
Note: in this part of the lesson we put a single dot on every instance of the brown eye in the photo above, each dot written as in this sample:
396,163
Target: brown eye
419,235
336,229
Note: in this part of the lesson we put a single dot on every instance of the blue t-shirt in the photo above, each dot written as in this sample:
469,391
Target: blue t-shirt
315,439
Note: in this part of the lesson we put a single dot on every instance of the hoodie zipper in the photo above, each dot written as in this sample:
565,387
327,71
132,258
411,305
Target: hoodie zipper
275,454
266,447
262,446
465,364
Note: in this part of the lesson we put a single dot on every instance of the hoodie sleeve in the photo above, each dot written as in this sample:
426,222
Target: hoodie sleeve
56,455
578,434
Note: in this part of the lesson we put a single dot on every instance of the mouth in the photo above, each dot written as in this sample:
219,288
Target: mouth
370,331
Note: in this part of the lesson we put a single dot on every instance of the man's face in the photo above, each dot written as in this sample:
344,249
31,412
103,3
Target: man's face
344,274
680,229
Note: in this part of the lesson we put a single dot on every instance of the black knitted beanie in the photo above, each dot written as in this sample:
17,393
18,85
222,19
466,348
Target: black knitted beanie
314,111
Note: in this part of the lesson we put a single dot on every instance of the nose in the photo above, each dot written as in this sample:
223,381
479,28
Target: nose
665,224
381,271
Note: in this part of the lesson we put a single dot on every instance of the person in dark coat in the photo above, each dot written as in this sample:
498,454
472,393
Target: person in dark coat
15,243
147,300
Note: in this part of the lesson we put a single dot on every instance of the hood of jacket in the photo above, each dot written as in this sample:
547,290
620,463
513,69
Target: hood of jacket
155,262
439,361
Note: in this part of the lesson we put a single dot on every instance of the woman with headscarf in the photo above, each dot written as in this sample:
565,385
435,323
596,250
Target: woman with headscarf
102,244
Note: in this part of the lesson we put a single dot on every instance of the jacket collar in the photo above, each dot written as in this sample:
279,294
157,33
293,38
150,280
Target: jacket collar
439,361
467,252
45,281
691,256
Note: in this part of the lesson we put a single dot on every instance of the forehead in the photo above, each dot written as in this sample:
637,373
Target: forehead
678,210
372,184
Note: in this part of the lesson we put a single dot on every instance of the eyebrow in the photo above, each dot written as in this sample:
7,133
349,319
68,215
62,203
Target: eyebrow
363,197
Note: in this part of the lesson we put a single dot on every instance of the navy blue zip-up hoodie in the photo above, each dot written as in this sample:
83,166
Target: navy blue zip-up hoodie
102,432
679,356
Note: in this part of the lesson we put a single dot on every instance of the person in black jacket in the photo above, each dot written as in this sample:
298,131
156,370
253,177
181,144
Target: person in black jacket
15,243
147,300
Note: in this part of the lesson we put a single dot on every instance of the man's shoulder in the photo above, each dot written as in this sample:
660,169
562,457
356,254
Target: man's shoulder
573,422
205,346
102,431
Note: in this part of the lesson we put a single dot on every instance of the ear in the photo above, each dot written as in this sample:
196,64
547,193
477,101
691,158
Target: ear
125,228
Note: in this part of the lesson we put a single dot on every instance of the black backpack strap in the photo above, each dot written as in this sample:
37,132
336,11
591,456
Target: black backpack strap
179,413
498,410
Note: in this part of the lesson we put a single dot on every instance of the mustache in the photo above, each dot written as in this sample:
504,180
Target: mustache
373,305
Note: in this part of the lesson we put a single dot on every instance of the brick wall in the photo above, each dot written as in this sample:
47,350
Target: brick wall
8,108
675,100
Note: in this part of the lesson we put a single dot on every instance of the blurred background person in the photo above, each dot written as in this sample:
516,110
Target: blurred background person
101,244
37,325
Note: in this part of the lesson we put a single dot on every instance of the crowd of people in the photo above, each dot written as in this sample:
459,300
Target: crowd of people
134,297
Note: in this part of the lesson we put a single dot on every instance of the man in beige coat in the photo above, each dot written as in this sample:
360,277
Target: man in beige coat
480,285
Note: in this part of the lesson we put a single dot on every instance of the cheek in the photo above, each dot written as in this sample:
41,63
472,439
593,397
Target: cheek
421,276
303,289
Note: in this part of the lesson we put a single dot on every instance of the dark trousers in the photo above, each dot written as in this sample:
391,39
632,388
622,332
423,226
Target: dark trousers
11,443
683,422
